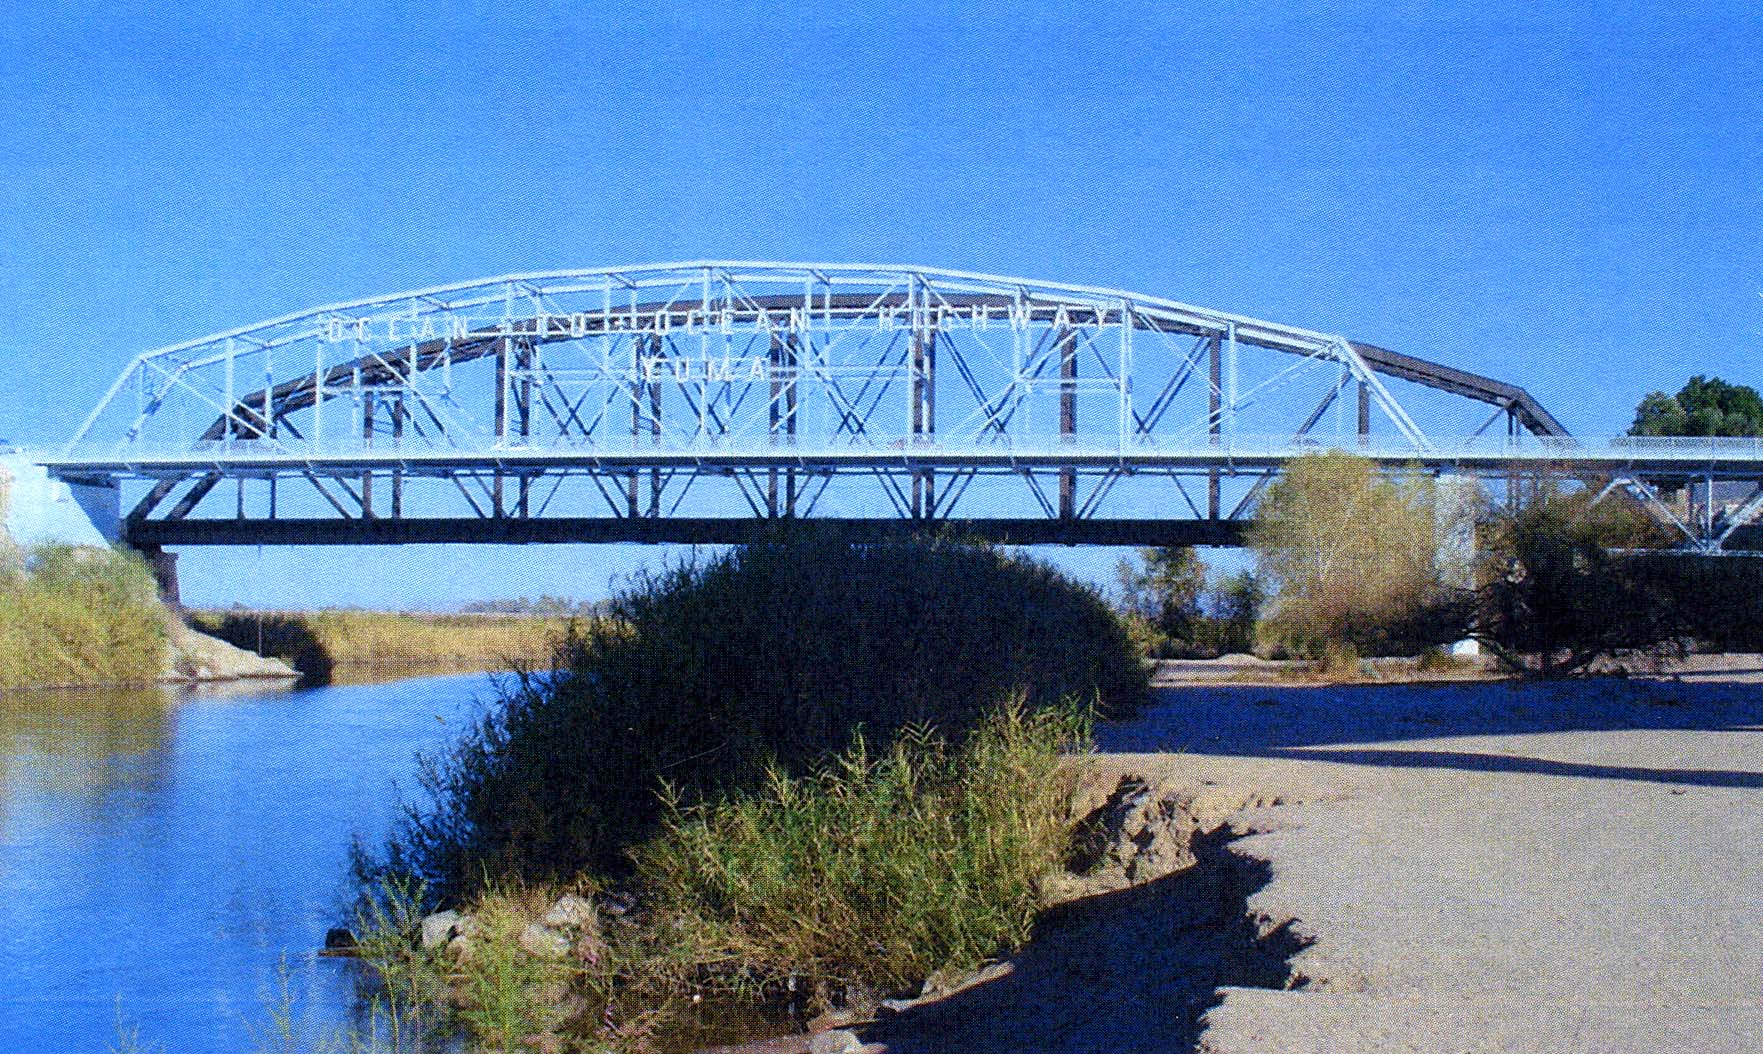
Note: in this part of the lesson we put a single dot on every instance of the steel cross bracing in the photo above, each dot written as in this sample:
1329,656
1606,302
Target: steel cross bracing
684,401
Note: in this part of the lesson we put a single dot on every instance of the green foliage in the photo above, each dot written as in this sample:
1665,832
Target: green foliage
1559,597
80,615
713,674
1234,606
876,868
1164,588
1352,557
1718,600
506,993
1705,406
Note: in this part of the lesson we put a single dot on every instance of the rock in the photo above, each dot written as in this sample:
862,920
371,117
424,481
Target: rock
570,913
441,927
940,983
1140,833
614,905
834,1041
844,1017
543,942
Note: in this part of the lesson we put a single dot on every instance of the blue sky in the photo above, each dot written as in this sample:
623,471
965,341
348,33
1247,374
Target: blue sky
1569,198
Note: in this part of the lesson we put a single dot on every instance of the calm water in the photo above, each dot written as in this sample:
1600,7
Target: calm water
161,856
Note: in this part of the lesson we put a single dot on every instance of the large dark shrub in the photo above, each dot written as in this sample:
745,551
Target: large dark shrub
774,652
1564,592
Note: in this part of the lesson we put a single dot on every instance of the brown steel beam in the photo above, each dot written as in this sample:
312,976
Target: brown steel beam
700,531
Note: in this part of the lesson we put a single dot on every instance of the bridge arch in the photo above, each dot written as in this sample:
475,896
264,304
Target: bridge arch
649,402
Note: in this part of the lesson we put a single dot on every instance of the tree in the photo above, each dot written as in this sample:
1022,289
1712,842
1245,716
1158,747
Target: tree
1659,414
1351,558
1164,588
1559,597
1236,602
1705,406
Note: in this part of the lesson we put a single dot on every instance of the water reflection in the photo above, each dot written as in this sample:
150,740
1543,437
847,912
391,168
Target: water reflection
103,751
168,851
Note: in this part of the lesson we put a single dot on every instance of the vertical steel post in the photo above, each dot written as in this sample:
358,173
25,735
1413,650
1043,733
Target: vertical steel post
1230,395
398,411
1512,481
1067,420
921,414
655,441
638,344
367,443
1364,414
792,360
773,415
501,422
1214,416
523,396
929,420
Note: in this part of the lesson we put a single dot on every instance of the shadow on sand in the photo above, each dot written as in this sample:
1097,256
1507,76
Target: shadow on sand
1120,972
1348,724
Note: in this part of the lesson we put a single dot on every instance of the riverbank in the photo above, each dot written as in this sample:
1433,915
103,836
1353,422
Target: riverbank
347,645
194,657
1419,861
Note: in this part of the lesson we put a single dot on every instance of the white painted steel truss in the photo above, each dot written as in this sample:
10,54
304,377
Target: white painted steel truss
700,391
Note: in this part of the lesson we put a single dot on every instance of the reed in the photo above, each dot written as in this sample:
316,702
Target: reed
877,868
79,615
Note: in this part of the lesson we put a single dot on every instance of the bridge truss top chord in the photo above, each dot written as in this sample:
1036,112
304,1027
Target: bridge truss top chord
648,402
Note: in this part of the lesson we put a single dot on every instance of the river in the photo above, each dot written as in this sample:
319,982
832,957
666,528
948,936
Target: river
169,860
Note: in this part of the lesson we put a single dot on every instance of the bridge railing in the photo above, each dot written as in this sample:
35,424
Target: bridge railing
1684,450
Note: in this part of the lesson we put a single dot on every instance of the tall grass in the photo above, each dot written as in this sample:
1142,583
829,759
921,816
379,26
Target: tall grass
877,868
713,675
318,642
870,872
80,615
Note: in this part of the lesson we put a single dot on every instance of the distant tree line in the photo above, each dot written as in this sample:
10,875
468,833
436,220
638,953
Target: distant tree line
1351,562
545,604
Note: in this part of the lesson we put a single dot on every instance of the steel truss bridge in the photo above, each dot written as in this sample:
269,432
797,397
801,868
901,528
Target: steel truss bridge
685,402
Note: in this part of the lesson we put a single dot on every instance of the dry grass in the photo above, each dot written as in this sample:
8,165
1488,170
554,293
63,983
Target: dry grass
80,616
318,643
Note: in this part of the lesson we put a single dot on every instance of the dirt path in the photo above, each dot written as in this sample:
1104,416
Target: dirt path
1495,868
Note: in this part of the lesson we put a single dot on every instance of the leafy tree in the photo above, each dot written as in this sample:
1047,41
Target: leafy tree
1659,414
1705,406
1351,559
1559,597
1236,602
1164,588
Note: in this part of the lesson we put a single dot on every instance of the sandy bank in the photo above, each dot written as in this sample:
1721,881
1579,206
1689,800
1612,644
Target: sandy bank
195,657
1255,671
1436,868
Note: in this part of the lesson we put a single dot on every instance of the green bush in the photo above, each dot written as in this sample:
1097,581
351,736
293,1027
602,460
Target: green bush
874,869
713,674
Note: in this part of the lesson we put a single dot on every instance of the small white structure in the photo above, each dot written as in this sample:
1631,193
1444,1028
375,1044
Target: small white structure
42,511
